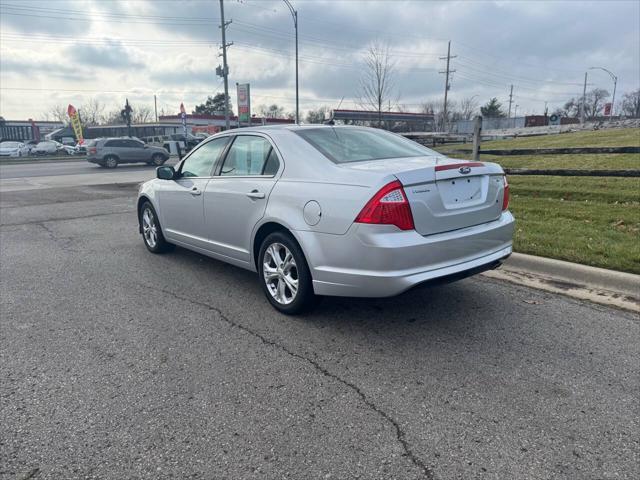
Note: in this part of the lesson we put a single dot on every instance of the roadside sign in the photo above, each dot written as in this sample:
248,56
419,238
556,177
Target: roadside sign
244,103
75,123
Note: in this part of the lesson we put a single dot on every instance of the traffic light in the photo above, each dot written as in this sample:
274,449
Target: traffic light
126,113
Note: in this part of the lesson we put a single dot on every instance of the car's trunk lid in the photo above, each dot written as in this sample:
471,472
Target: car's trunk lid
446,194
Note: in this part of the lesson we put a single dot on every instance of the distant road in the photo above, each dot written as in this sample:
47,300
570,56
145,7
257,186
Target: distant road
41,169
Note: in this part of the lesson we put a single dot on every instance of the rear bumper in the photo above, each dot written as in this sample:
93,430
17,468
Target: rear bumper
382,261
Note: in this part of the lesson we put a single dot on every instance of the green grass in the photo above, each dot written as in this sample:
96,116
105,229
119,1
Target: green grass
614,137
593,221
589,220
612,161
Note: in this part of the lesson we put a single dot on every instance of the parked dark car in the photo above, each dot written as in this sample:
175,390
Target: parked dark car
109,152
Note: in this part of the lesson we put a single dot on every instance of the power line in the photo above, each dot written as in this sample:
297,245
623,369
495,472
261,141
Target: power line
206,21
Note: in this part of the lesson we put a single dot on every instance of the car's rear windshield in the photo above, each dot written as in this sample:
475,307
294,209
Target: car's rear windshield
344,145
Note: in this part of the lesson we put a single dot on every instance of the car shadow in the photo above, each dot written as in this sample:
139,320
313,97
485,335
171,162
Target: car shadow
431,305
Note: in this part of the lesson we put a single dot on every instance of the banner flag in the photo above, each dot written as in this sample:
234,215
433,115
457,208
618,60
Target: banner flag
75,123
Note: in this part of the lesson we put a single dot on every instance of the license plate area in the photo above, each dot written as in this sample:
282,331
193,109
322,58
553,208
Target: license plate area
461,192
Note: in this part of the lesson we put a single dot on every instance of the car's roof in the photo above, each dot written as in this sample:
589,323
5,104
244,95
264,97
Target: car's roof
291,127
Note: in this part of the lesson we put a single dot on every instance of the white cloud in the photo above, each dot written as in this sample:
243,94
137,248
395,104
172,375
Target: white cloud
112,50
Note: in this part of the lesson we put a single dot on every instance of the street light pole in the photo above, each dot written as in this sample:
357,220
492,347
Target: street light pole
615,82
294,14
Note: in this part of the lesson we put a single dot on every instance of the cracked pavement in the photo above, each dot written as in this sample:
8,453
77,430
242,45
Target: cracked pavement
116,363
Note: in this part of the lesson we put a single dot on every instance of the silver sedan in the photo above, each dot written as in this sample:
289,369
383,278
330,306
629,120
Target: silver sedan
329,210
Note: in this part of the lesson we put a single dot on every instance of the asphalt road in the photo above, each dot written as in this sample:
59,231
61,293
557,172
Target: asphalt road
39,169
116,363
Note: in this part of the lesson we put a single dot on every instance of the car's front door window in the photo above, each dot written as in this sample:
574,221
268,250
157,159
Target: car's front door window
200,162
249,155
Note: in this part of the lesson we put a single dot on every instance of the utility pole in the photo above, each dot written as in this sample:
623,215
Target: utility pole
155,106
584,99
225,68
446,84
510,101
294,14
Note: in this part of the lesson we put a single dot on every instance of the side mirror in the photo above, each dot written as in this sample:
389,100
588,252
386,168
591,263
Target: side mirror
146,146
165,173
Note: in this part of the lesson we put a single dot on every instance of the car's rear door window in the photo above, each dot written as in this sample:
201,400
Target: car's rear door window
250,155
344,145
201,161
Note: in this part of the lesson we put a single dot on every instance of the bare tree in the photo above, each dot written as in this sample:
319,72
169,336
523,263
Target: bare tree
142,114
377,83
631,104
113,117
57,113
318,115
468,107
271,111
595,102
453,112
91,112
433,108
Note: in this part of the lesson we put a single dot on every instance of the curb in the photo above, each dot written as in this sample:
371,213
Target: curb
624,283
43,159
599,285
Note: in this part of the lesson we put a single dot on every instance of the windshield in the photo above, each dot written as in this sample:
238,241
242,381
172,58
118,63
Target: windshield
344,145
9,144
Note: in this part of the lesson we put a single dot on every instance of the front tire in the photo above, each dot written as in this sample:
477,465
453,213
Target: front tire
110,161
284,274
152,231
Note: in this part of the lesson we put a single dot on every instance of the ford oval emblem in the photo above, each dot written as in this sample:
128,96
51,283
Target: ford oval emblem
464,170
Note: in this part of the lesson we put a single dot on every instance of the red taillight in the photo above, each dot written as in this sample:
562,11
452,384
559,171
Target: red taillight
505,196
93,150
388,207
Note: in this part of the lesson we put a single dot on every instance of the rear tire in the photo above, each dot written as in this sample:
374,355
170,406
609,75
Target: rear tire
152,231
111,161
284,274
158,159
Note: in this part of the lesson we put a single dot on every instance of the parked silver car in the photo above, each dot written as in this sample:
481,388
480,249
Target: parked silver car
52,147
13,149
327,210
110,152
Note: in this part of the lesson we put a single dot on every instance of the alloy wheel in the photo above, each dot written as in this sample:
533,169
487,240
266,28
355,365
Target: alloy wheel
280,273
149,228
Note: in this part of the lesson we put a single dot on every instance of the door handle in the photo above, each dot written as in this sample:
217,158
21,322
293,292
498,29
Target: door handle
255,194
194,191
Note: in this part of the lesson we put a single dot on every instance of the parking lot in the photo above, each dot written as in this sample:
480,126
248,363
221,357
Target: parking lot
116,363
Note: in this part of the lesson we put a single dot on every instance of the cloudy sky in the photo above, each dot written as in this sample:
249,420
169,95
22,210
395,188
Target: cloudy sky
57,52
